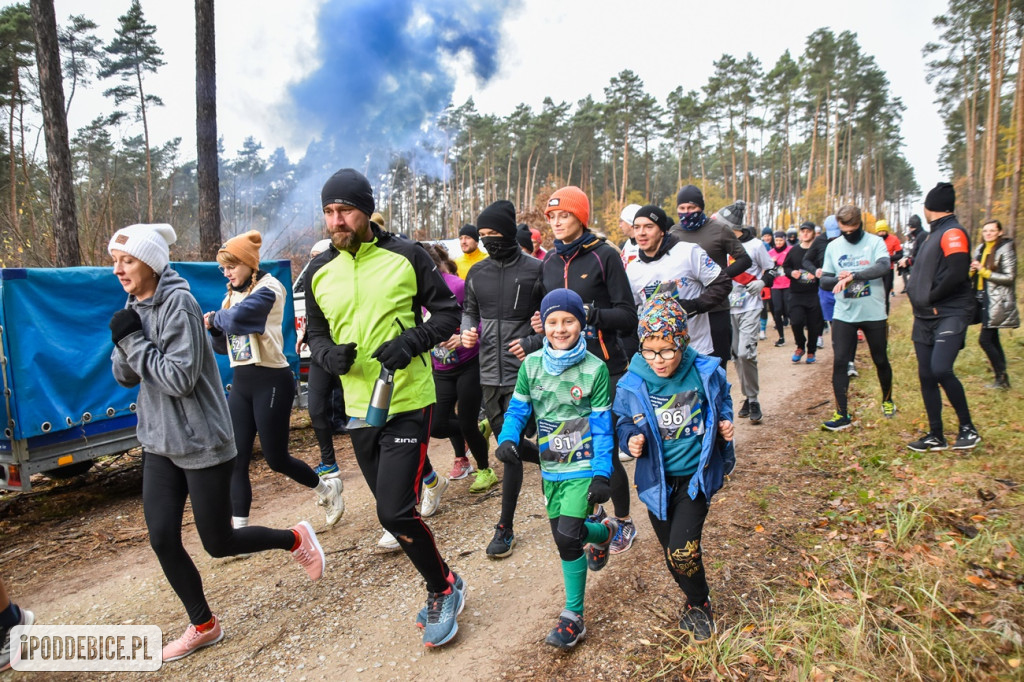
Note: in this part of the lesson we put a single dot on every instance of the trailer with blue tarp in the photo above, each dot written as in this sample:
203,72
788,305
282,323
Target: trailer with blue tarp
61,406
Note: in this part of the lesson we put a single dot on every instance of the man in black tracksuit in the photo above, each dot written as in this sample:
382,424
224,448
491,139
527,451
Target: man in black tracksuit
716,237
503,292
940,292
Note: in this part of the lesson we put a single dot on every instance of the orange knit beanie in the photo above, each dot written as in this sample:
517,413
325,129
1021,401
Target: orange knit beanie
246,248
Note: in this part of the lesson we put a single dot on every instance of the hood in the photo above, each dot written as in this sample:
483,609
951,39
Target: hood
170,282
746,233
668,240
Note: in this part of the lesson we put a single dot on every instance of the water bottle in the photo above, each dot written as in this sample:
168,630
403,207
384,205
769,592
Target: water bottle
380,399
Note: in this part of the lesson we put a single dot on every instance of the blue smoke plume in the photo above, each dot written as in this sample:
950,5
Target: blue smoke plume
384,77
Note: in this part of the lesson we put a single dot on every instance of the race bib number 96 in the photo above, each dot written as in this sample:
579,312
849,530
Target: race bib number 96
678,415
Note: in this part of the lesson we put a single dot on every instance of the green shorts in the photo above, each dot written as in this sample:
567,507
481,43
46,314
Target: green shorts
567,498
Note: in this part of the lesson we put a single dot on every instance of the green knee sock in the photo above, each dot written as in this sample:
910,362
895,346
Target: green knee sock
575,575
597,533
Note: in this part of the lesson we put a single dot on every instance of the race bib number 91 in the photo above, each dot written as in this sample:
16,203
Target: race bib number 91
678,415
565,442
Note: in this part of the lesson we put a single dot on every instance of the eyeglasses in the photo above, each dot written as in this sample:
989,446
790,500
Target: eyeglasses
665,353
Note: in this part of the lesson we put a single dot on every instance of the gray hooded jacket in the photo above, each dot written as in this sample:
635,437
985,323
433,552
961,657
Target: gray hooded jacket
182,411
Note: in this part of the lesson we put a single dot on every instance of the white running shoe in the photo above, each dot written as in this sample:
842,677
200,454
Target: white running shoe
432,497
333,500
388,542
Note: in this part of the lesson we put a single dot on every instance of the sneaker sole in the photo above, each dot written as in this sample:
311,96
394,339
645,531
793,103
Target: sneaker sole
335,474
967,447
622,549
481,491
512,546
836,428
459,478
758,420
931,449
189,653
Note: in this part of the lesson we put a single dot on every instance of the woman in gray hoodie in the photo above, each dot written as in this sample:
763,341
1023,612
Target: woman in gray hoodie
161,346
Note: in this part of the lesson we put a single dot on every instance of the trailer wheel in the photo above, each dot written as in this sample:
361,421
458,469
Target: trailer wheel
70,470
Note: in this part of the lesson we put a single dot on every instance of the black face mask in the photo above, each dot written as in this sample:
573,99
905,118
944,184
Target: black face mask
854,237
500,249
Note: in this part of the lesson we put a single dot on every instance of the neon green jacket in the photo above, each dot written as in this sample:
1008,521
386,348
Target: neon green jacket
368,299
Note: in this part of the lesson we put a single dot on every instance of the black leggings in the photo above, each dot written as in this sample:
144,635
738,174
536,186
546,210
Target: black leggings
844,348
937,343
261,403
780,310
988,339
459,396
680,536
164,489
392,459
570,534
721,337
496,399
805,313
320,388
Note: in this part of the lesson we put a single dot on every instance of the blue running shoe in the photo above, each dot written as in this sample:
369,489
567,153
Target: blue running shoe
568,632
327,470
453,579
442,609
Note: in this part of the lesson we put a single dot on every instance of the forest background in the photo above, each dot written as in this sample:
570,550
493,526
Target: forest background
794,138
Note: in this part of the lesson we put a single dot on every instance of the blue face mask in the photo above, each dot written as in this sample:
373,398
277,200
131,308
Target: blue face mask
692,221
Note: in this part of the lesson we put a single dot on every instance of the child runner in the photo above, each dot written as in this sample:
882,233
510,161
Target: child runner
248,329
184,428
10,616
675,414
567,388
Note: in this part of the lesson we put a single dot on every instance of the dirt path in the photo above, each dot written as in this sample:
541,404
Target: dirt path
80,554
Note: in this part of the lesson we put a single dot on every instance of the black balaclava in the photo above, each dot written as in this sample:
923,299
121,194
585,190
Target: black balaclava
500,217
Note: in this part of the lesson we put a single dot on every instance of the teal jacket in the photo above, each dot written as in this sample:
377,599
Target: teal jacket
636,416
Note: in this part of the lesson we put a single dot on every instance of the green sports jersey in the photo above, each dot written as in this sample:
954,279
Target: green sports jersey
563,405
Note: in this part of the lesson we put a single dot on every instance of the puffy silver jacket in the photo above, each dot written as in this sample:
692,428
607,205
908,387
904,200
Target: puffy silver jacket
1000,287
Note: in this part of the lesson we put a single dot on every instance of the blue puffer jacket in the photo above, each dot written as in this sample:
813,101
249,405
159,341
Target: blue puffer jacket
636,416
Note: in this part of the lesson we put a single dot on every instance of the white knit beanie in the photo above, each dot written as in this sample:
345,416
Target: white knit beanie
147,242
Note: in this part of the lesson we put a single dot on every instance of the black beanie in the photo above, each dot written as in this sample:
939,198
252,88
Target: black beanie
470,231
914,222
349,187
807,225
690,194
733,213
656,215
500,217
941,199
523,237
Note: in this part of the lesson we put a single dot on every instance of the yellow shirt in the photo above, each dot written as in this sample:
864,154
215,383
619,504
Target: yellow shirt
467,260
989,247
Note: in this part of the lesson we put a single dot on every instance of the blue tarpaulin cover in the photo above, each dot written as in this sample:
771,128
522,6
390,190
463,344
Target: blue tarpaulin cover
57,341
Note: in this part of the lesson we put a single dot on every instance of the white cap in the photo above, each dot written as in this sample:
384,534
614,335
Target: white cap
319,247
147,242
629,213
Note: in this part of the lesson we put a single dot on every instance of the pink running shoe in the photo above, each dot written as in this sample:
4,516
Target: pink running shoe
309,554
460,469
192,640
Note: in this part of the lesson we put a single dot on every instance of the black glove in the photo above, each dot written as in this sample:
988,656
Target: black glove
507,452
591,313
768,278
340,358
689,305
599,491
124,322
394,354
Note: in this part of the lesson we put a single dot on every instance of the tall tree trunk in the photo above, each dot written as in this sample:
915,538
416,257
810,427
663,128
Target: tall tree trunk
58,153
970,129
814,142
145,133
206,131
12,163
995,81
1018,152
625,166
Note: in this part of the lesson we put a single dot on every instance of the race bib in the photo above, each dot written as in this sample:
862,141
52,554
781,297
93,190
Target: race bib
737,297
679,415
443,356
565,441
243,349
857,289
668,287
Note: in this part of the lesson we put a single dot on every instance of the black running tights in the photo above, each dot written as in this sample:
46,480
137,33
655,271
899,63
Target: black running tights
844,348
